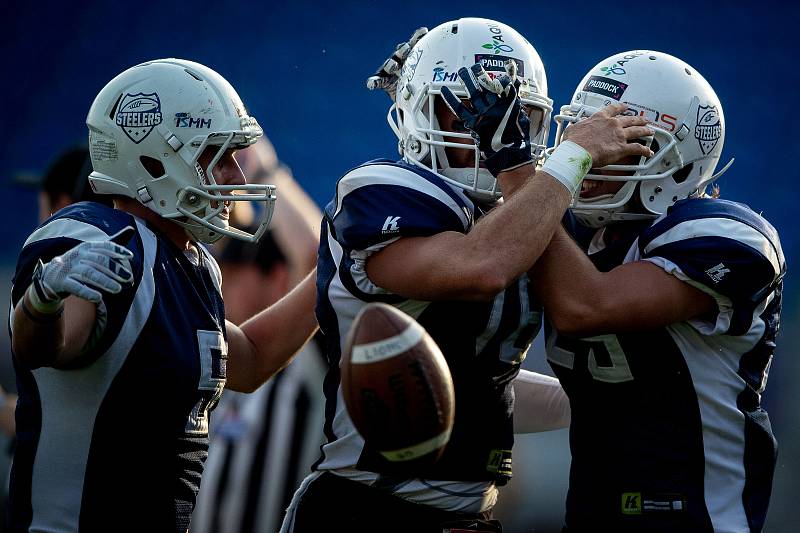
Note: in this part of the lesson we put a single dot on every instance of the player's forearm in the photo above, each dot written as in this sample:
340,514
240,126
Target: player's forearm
37,339
568,285
510,239
55,340
581,301
481,263
265,343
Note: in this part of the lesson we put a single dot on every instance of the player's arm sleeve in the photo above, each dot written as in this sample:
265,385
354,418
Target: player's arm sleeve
734,262
57,237
540,403
376,206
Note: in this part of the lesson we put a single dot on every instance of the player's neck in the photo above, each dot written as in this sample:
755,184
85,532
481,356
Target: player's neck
173,231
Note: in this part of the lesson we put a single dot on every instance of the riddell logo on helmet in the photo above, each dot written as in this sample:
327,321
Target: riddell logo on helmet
605,86
138,114
496,63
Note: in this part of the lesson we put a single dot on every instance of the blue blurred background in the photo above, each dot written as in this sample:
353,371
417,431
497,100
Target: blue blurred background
300,69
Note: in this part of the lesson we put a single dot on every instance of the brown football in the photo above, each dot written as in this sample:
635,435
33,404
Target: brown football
397,385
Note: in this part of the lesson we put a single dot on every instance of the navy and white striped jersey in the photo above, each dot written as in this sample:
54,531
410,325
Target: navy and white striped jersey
483,342
667,432
118,441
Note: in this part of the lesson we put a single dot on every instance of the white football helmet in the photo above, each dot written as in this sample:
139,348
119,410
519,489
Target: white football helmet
689,127
433,63
147,130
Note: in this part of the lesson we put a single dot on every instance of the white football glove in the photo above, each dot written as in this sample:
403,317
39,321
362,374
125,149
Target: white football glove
84,271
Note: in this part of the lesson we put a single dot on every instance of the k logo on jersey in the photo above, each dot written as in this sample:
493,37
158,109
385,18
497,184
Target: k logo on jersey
138,114
390,226
708,129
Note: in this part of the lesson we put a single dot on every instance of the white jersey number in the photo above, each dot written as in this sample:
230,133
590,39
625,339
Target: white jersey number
563,354
213,357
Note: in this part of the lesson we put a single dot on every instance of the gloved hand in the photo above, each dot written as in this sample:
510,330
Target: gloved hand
387,75
84,271
496,120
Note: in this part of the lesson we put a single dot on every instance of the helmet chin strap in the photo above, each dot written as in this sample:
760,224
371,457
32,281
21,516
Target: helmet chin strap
596,199
715,176
201,234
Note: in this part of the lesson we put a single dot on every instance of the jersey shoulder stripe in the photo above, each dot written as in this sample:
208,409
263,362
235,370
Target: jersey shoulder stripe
390,172
60,471
81,222
88,221
723,246
381,172
455,193
380,202
714,216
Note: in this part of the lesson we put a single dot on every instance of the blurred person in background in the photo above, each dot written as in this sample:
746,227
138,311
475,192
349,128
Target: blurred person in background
263,444
66,182
663,335
296,219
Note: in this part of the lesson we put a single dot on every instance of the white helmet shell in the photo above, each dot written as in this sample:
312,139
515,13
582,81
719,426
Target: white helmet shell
433,63
689,126
147,129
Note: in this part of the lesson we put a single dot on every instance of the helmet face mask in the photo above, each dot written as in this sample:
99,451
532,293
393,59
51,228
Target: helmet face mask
689,131
149,128
433,63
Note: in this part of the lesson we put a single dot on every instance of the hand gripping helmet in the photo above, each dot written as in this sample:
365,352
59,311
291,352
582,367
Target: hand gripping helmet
433,63
689,127
147,130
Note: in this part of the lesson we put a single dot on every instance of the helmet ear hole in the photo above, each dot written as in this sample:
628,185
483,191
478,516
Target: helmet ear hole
681,175
152,166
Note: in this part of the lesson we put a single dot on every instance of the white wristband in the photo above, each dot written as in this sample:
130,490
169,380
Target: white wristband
46,307
568,163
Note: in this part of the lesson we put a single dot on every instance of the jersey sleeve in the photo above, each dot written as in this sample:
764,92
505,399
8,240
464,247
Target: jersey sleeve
377,204
70,227
726,251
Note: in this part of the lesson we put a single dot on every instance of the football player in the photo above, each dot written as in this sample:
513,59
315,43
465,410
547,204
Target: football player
415,234
663,334
118,329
